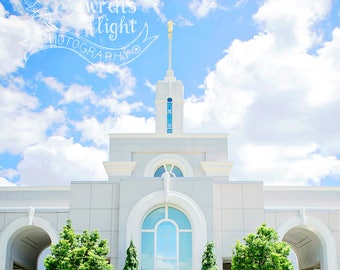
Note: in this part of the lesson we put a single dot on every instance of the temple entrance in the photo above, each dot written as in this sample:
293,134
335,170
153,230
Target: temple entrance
306,246
25,246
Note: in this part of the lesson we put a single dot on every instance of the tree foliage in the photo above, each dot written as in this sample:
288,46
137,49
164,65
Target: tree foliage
208,258
261,251
84,251
131,261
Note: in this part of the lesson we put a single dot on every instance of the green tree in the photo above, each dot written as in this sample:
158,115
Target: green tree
261,251
208,258
131,262
84,251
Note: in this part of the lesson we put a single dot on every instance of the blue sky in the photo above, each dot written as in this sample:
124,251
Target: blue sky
266,72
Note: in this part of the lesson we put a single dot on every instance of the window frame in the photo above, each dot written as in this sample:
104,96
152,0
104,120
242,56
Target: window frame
170,168
181,230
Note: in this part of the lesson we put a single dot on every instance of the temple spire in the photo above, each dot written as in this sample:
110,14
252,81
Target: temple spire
169,98
170,28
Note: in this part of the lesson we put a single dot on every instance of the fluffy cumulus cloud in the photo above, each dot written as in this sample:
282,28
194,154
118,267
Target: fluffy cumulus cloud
127,81
115,102
133,124
201,8
292,22
92,130
76,16
23,34
21,122
5,183
74,93
294,164
275,93
78,93
277,98
155,5
96,132
5,176
15,40
58,160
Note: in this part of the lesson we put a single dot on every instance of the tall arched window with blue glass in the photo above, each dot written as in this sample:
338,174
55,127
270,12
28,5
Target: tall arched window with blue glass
166,240
169,115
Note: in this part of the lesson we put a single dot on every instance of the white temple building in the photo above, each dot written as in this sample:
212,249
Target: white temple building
170,193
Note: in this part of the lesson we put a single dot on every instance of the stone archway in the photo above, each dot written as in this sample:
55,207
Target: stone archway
312,242
26,246
22,242
307,247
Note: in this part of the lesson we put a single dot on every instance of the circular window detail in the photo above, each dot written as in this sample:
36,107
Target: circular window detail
172,169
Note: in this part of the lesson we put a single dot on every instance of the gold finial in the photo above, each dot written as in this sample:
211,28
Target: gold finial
170,26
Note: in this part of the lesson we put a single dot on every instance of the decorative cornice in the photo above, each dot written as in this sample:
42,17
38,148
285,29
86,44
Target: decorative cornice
301,209
216,168
51,209
120,168
160,135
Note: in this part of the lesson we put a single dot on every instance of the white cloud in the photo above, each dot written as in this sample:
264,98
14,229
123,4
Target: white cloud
78,93
156,5
58,160
127,81
116,105
292,21
7,177
150,85
74,93
21,124
133,124
96,132
52,83
15,32
323,73
273,97
181,21
77,16
201,8
5,183
93,130
23,34
65,14
292,164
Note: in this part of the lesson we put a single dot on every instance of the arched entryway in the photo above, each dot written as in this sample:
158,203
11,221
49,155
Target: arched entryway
307,247
22,242
311,241
26,246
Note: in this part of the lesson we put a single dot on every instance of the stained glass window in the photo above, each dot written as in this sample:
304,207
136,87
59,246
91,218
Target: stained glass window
172,169
169,115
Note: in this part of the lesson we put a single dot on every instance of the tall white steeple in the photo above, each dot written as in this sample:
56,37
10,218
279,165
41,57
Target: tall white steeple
169,98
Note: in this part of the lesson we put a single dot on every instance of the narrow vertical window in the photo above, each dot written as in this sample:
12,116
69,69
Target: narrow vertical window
169,115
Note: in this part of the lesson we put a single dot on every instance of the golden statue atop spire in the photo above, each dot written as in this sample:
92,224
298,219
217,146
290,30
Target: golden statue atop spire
170,27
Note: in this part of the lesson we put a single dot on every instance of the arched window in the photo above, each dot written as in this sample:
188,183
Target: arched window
176,165
172,169
166,240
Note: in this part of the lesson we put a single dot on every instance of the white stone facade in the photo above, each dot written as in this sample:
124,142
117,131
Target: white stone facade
307,218
184,176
